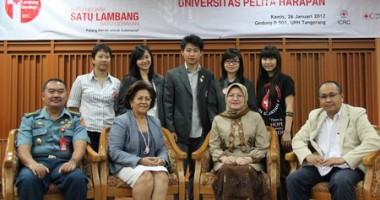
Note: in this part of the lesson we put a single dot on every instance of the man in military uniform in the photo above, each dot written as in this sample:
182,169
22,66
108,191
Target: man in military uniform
50,144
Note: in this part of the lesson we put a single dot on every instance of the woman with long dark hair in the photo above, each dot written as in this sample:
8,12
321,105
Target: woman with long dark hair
141,68
275,94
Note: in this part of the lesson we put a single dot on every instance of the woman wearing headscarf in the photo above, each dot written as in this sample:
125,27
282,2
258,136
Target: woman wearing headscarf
239,143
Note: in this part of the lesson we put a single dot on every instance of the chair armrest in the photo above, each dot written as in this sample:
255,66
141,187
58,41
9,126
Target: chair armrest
274,148
103,165
10,166
103,144
92,156
273,169
291,156
371,179
292,159
198,154
370,159
10,160
10,157
180,154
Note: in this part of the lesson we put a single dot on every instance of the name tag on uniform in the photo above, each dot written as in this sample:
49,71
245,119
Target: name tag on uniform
66,123
62,144
38,125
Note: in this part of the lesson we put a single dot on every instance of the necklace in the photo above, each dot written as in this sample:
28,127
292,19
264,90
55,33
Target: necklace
146,151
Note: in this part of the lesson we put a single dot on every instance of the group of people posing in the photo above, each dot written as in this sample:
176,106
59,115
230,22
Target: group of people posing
190,104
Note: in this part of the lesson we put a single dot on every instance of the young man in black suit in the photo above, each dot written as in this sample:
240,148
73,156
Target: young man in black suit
185,101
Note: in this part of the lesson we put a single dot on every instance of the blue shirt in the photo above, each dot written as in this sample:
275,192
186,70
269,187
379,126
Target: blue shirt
43,134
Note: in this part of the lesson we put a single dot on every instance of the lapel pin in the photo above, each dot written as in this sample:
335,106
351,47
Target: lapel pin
224,90
39,141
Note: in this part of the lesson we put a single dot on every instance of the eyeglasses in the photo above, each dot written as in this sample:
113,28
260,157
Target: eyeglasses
230,61
330,96
141,99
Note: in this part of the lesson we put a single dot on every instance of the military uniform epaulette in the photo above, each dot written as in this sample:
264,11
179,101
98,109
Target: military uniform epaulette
37,112
74,113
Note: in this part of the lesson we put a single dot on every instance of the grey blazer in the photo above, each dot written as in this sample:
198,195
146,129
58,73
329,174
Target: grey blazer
124,145
217,101
178,101
128,80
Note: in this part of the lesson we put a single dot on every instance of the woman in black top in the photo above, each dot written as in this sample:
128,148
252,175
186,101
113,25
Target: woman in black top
141,68
275,94
232,72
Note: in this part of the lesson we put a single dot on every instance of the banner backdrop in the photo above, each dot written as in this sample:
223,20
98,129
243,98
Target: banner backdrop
172,19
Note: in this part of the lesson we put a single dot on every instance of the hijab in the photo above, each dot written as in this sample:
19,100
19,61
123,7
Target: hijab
235,116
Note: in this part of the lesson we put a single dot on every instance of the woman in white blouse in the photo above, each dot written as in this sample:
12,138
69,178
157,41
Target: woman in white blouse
93,94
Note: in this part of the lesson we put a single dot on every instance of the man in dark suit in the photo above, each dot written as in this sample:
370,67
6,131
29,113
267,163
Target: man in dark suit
185,101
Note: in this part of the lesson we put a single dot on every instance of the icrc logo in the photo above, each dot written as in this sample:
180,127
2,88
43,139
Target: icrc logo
22,11
343,15
368,15
371,16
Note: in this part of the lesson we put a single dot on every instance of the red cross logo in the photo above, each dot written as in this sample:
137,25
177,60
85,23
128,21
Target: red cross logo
368,16
343,13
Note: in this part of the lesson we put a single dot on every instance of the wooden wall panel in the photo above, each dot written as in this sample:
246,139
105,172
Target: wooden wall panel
164,61
375,76
2,46
251,65
120,65
72,65
306,69
356,74
27,73
6,113
211,61
3,145
28,64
